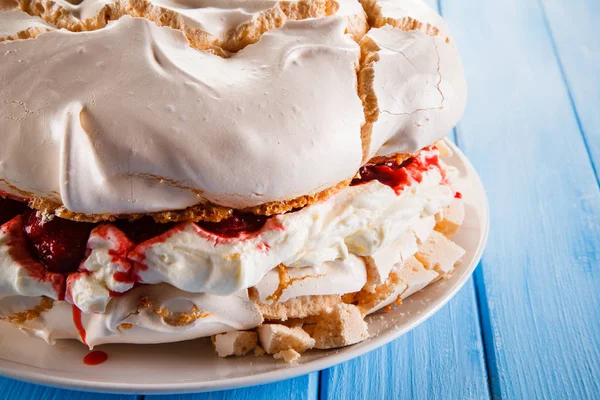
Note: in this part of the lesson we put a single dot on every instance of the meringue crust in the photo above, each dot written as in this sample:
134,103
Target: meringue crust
241,32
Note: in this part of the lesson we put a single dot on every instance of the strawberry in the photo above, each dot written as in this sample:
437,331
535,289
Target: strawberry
59,244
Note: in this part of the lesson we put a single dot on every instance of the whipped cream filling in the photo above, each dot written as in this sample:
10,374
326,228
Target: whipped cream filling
106,270
161,313
426,98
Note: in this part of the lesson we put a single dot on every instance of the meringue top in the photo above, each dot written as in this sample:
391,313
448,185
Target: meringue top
14,21
131,119
145,123
400,12
216,17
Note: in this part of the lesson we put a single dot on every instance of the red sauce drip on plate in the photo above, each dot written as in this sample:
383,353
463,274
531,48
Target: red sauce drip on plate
458,195
78,323
398,176
95,358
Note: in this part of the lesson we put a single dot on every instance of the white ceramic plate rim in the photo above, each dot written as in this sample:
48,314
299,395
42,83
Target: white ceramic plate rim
38,375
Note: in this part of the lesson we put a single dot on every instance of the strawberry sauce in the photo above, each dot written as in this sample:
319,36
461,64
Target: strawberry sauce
10,209
78,323
96,357
237,225
398,176
142,229
20,253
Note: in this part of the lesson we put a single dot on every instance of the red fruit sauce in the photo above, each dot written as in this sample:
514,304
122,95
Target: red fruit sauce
20,253
95,358
142,229
10,208
235,225
398,176
78,324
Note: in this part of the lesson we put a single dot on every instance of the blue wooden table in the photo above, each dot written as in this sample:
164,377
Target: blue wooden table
527,326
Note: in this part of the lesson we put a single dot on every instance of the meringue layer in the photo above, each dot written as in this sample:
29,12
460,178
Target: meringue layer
147,314
146,123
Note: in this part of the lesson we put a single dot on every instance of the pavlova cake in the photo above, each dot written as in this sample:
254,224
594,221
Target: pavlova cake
264,173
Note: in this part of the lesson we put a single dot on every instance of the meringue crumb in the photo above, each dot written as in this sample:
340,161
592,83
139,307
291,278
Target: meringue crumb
275,338
259,351
343,326
288,356
439,254
235,343
452,218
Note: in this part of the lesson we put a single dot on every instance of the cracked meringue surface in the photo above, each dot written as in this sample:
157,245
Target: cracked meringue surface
130,118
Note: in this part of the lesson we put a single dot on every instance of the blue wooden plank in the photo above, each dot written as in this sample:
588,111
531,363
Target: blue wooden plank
574,28
302,388
539,277
16,390
441,359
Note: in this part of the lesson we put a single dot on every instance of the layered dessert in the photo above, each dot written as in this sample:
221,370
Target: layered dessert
264,173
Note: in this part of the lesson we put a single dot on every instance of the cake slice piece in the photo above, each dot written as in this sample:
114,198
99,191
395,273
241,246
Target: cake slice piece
236,343
439,253
275,338
343,326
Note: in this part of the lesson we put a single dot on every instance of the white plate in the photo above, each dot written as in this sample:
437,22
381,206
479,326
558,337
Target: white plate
194,367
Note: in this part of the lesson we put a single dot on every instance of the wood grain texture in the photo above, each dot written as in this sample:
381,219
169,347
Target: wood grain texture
301,388
540,272
15,390
574,29
441,359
